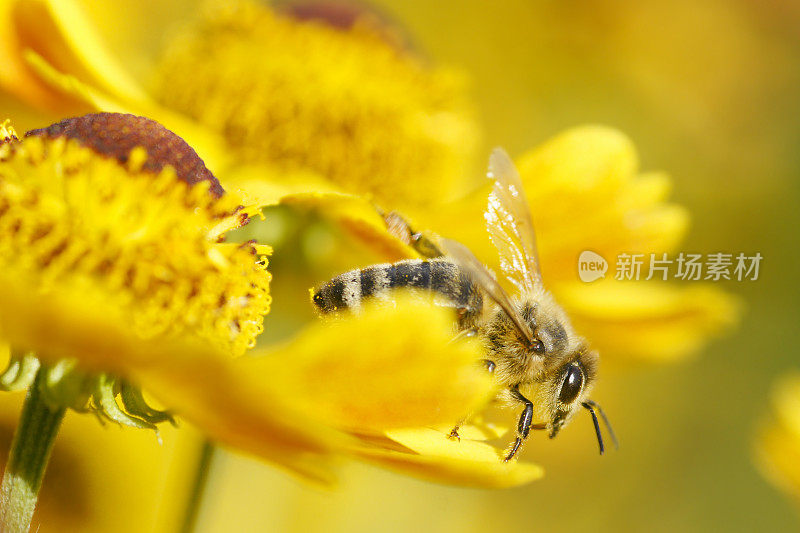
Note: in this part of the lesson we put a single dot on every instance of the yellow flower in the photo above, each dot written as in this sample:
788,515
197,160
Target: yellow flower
586,193
120,269
777,450
72,218
271,101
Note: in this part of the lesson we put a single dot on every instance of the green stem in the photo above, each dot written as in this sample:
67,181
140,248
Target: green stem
30,450
199,487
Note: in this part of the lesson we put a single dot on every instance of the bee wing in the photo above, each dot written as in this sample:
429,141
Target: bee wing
508,220
485,279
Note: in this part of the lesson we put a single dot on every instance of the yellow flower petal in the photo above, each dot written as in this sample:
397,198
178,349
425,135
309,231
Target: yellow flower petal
648,320
392,367
477,429
607,160
208,144
264,185
16,76
434,457
74,45
585,194
58,31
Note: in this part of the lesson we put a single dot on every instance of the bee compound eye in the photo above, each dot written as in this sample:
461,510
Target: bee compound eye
537,346
572,385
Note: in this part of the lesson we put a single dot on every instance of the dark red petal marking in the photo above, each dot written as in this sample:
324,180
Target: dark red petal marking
116,134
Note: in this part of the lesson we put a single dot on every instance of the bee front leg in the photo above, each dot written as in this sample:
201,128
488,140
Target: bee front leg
525,423
454,432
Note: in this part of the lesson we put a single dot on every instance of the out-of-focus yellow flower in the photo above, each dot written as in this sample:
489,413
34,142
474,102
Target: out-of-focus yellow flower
120,269
266,98
777,450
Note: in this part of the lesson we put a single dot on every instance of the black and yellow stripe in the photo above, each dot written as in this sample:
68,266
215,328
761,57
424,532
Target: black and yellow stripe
440,276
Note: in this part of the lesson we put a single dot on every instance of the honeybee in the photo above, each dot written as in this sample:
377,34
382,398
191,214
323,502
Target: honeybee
531,348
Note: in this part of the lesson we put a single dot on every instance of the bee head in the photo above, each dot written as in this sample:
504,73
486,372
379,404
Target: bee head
569,386
556,371
570,389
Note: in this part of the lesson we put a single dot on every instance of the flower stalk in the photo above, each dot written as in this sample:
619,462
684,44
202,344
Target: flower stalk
30,451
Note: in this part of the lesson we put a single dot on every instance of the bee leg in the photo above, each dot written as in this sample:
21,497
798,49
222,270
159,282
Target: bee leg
524,426
399,228
465,334
454,432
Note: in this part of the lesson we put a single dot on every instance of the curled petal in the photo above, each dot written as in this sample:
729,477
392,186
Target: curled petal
59,32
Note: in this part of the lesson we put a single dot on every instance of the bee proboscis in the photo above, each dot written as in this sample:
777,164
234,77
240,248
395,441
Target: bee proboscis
531,348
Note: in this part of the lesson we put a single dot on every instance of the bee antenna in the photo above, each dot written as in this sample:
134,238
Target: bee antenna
590,408
605,420
591,405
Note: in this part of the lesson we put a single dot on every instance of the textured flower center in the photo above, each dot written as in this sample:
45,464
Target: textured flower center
75,220
303,94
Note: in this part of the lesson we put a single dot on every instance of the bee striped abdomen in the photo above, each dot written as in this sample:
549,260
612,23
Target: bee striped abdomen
440,276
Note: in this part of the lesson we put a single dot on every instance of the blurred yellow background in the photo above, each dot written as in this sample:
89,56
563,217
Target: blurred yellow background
708,92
